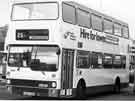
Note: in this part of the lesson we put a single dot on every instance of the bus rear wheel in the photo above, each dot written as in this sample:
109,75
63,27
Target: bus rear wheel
117,86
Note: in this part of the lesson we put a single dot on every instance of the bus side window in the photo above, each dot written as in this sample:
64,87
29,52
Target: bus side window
108,26
117,61
83,18
96,22
96,60
68,13
125,32
82,59
123,59
93,60
117,29
100,60
107,61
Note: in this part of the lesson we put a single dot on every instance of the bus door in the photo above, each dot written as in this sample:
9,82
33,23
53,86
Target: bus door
67,72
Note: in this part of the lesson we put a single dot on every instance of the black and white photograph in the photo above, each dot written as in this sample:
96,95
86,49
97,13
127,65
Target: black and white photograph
67,50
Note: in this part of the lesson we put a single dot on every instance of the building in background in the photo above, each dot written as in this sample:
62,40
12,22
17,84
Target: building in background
132,60
132,52
3,32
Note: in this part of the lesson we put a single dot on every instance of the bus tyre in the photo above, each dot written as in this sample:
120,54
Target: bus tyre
134,88
81,91
117,86
134,91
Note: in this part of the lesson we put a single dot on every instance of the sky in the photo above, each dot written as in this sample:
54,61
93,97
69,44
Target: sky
120,9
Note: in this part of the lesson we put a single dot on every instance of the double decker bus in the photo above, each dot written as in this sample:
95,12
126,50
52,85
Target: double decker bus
64,49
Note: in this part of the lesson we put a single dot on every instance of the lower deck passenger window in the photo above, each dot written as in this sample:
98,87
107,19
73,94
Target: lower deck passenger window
96,60
117,62
123,61
83,59
107,61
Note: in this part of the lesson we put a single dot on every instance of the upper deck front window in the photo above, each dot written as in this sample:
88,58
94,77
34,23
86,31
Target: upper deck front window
35,11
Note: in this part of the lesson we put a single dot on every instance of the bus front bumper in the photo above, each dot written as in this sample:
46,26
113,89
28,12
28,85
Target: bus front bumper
31,91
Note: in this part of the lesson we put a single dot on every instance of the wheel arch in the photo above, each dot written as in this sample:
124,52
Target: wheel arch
82,82
116,80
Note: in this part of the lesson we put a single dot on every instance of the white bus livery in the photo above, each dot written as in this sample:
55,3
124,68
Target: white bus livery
64,49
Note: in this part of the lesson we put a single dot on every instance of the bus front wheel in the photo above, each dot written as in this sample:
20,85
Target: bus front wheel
81,90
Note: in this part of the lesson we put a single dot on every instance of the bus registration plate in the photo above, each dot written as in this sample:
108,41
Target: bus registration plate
29,93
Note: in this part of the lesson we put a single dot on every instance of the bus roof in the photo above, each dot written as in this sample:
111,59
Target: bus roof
27,1
96,12
78,6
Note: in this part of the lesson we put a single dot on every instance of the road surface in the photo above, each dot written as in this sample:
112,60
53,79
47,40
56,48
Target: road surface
126,94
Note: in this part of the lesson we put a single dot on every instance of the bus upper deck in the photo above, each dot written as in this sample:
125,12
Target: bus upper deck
71,23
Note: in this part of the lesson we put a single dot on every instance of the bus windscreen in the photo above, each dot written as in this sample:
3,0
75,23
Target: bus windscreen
22,56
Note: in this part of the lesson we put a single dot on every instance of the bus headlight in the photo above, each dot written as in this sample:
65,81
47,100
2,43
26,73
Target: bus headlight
47,85
43,85
53,84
